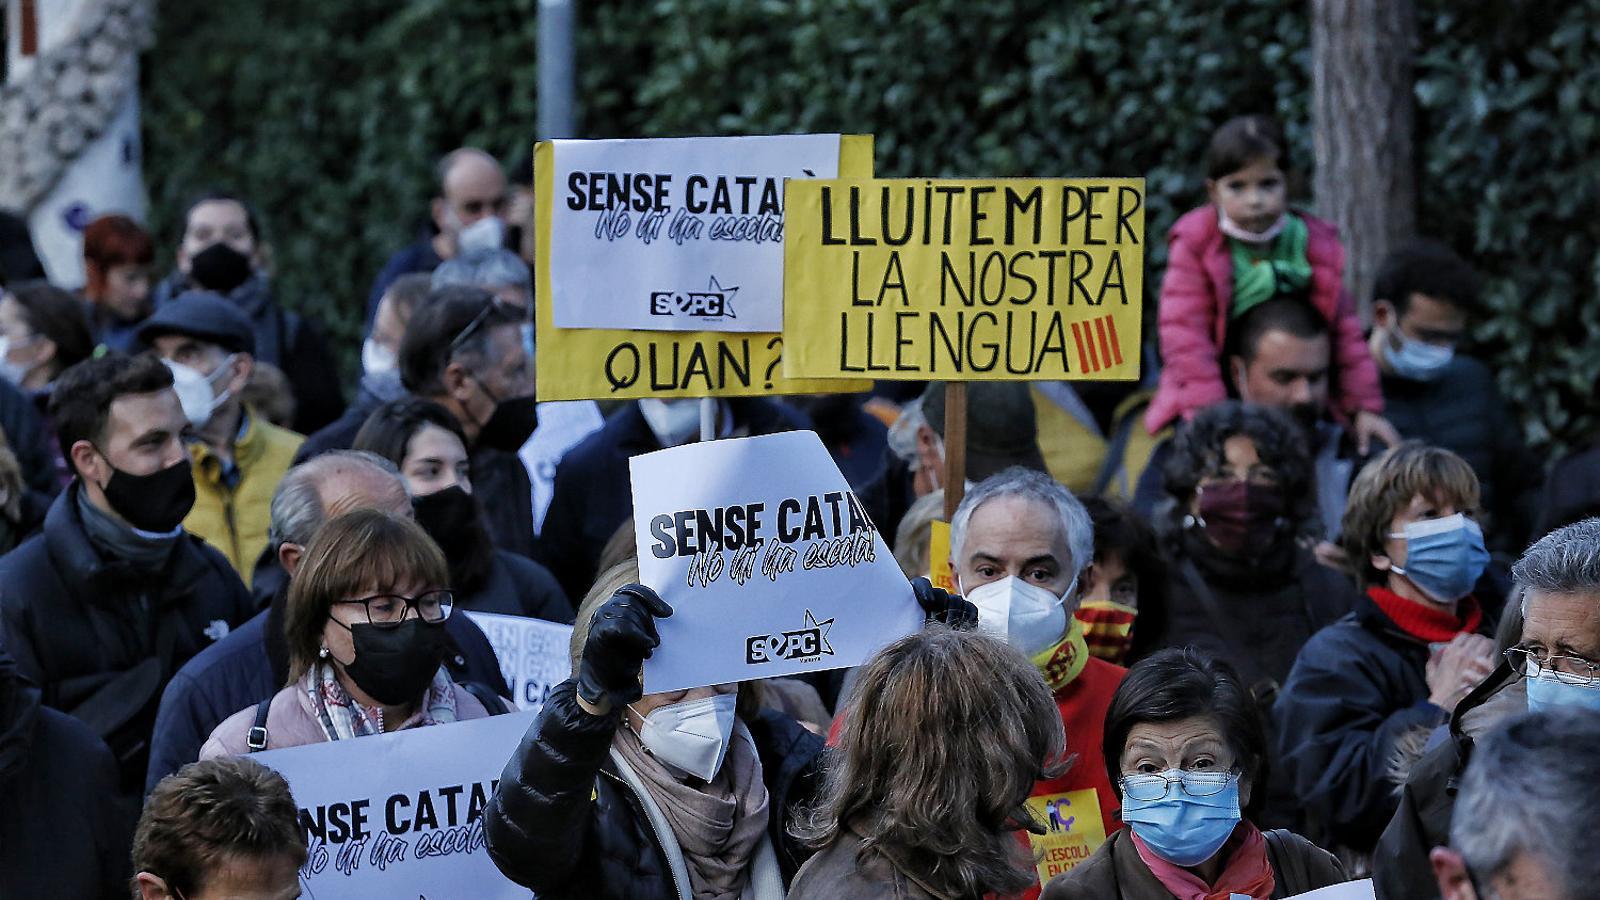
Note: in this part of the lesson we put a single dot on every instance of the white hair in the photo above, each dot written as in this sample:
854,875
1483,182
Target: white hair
1528,790
1017,481
488,268
903,433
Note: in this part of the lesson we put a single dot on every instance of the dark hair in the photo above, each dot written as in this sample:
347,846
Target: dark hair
59,317
1175,684
1293,315
389,429
198,820
1243,140
438,333
80,403
113,241
1425,266
983,729
1120,531
410,292
362,551
252,221
1197,450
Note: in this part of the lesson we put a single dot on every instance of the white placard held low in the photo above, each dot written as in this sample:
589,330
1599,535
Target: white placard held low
1350,890
534,655
769,562
401,814
676,234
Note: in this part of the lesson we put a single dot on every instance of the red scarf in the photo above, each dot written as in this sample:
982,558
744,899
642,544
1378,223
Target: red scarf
1424,621
1247,871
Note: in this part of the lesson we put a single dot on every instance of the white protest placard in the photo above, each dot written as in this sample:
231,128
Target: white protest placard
563,424
770,563
401,814
676,234
1350,890
534,655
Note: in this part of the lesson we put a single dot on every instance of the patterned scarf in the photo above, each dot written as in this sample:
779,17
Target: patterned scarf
1065,660
343,718
1108,629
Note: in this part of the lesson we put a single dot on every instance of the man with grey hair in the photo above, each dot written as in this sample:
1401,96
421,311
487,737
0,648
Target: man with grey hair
251,663
466,216
1554,667
1521,825
496,269
1018,543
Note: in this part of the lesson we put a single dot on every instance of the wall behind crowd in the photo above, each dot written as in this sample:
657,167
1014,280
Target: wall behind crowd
330,115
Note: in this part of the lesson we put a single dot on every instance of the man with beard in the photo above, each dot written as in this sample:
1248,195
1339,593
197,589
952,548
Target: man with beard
223,251
1280,356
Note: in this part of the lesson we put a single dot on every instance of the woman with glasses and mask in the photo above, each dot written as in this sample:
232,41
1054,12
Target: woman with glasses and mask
426,444
365,629
1186,749
1404,658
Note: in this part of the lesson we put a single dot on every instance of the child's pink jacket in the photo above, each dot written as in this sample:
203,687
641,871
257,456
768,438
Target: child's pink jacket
1192,320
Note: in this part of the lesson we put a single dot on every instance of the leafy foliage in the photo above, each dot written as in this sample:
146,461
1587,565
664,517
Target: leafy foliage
331,115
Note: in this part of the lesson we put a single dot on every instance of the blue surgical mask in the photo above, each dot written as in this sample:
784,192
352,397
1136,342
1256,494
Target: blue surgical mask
1184,830
1417,360
1547,692
1444,557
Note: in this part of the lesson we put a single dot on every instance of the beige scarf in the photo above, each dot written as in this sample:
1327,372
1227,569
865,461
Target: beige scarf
718,824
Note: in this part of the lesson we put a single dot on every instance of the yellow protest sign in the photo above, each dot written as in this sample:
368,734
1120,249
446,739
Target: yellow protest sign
997,280
601,363
939,557
1074,830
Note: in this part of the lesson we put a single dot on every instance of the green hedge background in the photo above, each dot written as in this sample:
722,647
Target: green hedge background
330,116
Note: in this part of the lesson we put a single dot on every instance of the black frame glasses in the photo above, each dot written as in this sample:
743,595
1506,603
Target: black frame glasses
483,316
432,607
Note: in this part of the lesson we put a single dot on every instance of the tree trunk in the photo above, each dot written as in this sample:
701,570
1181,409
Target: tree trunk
1361,108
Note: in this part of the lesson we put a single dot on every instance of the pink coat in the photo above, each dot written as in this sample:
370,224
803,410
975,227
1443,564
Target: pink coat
1193,319
292,722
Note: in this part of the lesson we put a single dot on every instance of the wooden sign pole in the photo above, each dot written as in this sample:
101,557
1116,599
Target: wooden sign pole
955,446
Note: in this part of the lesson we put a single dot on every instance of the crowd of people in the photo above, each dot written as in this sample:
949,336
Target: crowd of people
1291,611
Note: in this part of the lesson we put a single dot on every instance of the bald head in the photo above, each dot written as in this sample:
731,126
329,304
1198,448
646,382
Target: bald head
472,187
327,486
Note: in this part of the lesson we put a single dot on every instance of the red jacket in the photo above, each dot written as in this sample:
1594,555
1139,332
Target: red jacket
1061,803
1196,295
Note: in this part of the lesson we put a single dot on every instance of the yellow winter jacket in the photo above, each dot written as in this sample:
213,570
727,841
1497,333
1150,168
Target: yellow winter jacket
235,519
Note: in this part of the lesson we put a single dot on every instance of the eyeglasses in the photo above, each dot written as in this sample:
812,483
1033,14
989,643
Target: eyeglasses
483,316
389,610
1158,785
1566,669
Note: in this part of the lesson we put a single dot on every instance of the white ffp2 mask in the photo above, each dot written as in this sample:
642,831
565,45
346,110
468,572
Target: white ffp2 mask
691,735
1024,615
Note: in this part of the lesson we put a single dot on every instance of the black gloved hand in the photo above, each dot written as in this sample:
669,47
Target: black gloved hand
943,606
622,635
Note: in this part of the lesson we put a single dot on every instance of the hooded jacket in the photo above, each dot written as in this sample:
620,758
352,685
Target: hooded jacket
1194,312
564,822
101,639
64,833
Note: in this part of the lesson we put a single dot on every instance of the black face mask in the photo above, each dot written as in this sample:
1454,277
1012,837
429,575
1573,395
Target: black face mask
394,665
452,518
156,502
511,423
220,268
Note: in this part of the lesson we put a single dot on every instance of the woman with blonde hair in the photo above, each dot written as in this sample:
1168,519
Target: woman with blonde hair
947,734
365,629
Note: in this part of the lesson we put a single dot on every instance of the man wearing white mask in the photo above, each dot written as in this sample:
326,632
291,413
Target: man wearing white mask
238,455
1018,543
1422,300
380,366
465,216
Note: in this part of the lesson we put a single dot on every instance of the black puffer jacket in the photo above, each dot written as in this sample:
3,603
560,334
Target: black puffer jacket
100,639
565,824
